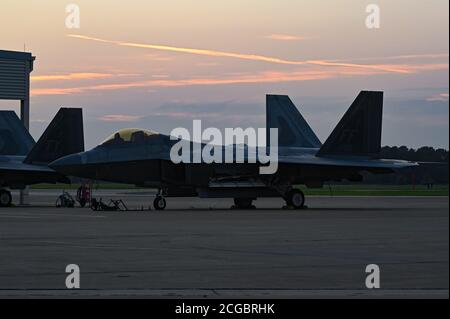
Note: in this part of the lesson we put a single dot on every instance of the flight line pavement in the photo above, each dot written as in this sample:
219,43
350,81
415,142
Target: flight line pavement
201,248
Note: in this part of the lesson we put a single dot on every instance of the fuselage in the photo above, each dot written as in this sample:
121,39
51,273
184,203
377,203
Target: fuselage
148,163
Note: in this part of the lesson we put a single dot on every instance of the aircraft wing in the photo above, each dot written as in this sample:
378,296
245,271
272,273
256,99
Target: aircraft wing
345,162
15,174
14,166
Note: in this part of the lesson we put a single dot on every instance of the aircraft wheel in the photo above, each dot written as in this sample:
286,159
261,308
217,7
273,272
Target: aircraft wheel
244,203
295,198
159,203
5,198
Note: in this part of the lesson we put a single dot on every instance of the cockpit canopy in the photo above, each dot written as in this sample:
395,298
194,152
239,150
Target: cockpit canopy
130,136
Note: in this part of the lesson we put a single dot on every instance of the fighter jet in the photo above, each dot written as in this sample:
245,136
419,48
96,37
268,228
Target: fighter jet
142,157
24,162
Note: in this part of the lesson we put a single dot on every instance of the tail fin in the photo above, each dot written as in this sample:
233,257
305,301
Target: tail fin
64,136
14,137
359,131
293,130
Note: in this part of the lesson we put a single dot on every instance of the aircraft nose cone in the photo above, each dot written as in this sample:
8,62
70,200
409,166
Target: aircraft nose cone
66,165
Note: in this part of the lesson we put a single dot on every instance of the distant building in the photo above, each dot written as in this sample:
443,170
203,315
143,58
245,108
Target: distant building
15,69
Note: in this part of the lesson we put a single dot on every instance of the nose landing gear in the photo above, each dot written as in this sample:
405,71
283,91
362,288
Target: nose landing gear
295,198
159,203
5,198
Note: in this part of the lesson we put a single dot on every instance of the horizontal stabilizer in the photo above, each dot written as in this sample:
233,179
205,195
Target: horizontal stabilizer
14,137
359,131
64,136
293,130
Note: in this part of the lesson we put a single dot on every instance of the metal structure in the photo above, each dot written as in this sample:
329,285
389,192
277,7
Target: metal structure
15,69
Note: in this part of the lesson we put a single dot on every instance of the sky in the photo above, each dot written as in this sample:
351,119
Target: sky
160,64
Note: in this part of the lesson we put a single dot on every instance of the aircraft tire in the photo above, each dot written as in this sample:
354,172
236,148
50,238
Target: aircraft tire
159,203
5,198
295,198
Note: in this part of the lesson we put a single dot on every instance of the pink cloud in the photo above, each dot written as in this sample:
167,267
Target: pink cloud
443,97
284,37
262,77
70,76
119,118
243,56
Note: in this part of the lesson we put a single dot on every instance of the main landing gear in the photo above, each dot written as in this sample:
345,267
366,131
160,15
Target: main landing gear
295,198
5,198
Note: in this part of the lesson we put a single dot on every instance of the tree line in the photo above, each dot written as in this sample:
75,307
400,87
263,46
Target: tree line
433,168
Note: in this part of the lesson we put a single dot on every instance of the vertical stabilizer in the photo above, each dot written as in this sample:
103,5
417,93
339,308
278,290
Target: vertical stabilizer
359,131
14,137
293,130
64,136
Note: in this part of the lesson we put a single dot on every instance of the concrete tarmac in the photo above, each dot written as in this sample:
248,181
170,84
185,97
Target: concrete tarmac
201,248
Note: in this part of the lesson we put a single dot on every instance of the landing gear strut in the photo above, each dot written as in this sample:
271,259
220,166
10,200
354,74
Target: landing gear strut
295,198
160,202
5,198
